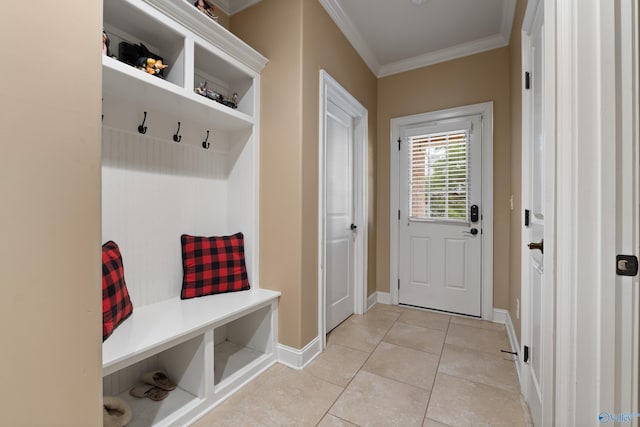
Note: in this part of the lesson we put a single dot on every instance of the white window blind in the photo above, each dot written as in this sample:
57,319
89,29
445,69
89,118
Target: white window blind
439,187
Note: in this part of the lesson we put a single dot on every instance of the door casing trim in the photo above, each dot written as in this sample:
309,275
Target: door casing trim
330,89
485,109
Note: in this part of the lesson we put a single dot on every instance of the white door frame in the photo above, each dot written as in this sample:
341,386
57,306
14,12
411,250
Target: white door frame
597,200
486,110
547,287
330,89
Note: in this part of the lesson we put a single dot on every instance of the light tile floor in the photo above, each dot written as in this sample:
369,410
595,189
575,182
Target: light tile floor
394,366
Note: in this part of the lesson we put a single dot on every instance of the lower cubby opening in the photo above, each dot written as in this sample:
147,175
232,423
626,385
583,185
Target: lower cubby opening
240,344
184,364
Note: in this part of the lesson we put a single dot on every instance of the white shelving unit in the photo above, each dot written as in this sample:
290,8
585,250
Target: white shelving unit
156,188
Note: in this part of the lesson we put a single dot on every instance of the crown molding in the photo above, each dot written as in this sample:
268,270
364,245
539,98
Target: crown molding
222,5
465,49
345,25
231,7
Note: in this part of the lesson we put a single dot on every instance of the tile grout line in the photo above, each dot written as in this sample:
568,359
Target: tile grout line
327,412
392,379
437,370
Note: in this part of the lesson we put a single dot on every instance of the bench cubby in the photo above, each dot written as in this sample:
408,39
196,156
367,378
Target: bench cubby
240,343
184,364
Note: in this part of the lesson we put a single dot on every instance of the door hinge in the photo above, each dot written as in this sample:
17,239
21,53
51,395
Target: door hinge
527,80
525,357
399,140
527,219
398,214
398,284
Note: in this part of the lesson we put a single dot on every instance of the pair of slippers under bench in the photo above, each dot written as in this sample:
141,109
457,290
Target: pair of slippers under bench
156,386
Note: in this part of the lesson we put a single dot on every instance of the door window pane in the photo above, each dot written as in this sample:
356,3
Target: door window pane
438,176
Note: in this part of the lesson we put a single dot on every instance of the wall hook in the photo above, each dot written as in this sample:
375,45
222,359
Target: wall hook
205,143
176,137
142,128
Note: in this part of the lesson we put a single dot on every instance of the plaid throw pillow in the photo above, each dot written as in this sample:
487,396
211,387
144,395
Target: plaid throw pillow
116,304
213,265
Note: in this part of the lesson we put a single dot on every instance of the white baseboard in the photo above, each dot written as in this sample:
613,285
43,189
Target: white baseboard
384,297
378,297
298,359
503,316
500,316
372,300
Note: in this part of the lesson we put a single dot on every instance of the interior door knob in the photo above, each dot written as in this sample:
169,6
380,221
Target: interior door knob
353,227
539,246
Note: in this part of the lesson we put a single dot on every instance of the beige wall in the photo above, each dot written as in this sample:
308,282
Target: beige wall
261,26
308,42
50,269
469,80
515,53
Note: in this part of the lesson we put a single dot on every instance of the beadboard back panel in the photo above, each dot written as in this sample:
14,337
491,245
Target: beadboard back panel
126,378
153,191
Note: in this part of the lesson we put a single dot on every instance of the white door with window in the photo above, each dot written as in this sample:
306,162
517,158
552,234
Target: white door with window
340,228
440,215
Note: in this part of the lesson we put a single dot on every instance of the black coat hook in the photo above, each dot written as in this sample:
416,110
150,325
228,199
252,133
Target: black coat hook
176,137
205,143
142,128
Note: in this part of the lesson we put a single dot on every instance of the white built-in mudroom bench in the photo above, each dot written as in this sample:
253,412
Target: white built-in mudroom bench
176,162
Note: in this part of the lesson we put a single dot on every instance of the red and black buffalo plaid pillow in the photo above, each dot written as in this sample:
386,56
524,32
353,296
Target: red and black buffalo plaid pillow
116,304
213,265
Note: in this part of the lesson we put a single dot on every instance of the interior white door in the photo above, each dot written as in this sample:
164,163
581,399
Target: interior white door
534,201
440,230
339,214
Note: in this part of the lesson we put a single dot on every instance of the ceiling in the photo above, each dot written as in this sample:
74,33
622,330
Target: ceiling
393,36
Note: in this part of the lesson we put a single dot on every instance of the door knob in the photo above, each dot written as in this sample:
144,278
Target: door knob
353,227
471,232
539,246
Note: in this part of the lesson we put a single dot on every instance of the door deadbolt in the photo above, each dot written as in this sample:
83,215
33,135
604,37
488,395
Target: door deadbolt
539,246
474,213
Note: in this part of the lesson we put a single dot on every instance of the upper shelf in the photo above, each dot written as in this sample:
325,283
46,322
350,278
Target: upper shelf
185,13
127,83
196,50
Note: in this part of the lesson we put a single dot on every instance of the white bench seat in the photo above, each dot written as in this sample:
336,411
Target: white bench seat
153,328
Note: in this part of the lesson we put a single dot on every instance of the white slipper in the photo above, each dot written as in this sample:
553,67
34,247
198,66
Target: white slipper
116,412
